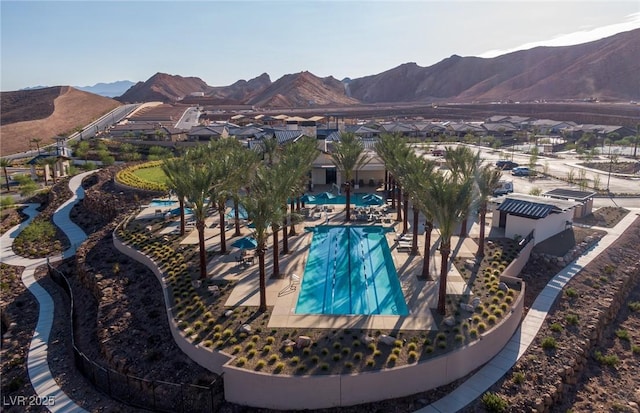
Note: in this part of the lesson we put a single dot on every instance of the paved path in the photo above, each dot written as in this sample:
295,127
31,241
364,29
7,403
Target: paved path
481,381
40,375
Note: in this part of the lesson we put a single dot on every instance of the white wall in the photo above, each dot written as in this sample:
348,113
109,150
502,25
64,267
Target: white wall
544,228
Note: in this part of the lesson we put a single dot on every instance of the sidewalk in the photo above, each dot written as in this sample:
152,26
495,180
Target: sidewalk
481,381
40,375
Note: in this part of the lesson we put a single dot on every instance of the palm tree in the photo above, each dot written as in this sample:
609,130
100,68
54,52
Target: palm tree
262,210
394,152
198,180
463,164
487,180
348,156
175,169
4,164
451,199
37,142
243,162
418,175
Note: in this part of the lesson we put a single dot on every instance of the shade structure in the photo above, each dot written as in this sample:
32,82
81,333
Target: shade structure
325,195
245,243
242,213
372,196
372,201
307,198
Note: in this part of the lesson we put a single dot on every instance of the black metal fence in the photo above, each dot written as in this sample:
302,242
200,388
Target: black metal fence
156,395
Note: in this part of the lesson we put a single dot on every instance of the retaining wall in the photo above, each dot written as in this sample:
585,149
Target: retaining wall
316,392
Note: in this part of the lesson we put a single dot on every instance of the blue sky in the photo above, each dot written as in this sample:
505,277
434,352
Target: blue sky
85,42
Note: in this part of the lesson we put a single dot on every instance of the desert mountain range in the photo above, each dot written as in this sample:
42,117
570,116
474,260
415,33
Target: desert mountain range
607,69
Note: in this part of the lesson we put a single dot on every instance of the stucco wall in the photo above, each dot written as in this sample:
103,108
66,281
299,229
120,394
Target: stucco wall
544,228
315,392
516,266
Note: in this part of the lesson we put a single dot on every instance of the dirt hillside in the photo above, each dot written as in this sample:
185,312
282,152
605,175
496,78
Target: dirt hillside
46,115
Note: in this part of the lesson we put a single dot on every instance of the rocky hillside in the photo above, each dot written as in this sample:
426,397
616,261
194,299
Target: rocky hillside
164,88
303,90
607,69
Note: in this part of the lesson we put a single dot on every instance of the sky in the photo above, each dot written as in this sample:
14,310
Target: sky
81,43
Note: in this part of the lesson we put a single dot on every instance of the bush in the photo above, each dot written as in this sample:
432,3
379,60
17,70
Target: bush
571,293
556,327
610,360
572,319
549,343
623,335
494,403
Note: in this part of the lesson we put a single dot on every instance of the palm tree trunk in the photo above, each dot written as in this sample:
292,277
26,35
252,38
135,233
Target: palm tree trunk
6,178
236,206
445,250
298,204
348,197
386,181
203,252
414,242
392,188
399,195
276,261
426,262
405,227
223,227
463,227
181,203
285,238
483,218
263,280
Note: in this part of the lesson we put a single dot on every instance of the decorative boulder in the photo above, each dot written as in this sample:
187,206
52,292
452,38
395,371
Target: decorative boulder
503,287
388,340
450,321
469,264
467,307
288,343
367,339
228,313
245,328
303,341
475,302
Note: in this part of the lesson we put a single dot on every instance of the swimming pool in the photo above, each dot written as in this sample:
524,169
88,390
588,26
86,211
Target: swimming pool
161,202
350,271
357,199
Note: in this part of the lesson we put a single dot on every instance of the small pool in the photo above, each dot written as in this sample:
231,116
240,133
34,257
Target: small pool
161,202
350,271
358,199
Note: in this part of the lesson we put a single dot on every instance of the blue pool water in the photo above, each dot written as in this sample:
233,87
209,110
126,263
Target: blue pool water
356,200
350,271
161,203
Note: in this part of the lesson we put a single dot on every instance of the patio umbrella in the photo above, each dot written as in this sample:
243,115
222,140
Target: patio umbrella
245,243
372,196
242,213
307,198
372,201
326,195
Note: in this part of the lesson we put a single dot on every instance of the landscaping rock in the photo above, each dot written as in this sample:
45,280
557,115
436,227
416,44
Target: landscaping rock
368,339
388,340
245,328
467,307
303,341
476,302
288,343
503,287
450,321
469,264
228,313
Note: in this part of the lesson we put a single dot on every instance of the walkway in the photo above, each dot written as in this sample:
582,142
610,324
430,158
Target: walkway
40,375
488,375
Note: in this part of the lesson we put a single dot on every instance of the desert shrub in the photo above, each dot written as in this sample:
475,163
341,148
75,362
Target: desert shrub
571,319
518,377
556,327
241,361
549,343
571,293
494,403
623,335
610,360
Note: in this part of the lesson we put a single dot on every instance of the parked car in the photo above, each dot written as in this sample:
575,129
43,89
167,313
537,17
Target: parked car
522,171
506,165
438,152
504,187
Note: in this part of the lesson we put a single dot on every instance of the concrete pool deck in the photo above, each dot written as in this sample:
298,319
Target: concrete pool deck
421,296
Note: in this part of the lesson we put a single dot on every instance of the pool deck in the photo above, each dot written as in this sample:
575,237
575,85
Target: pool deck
421,296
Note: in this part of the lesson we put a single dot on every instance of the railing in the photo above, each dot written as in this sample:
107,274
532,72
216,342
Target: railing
153,395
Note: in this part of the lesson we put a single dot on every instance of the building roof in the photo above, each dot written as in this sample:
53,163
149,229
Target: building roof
563,193
534,207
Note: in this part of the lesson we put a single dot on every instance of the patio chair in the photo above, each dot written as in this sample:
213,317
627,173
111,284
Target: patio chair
294,279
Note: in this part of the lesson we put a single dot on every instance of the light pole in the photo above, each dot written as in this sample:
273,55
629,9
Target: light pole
610,166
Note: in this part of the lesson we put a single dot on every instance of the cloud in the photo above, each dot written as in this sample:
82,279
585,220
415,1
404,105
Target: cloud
582,36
